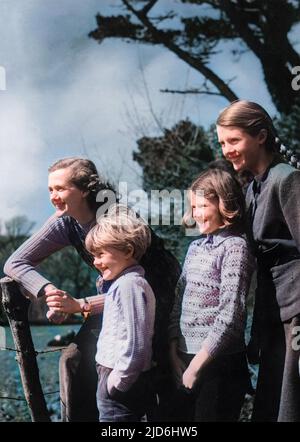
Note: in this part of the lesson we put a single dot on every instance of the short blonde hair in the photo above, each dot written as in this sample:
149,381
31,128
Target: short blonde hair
122,229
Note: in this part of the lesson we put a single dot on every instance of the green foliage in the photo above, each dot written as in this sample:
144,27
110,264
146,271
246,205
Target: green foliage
173,161
67,271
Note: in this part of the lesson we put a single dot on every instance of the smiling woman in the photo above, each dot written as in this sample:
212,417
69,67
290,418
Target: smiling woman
74,184
67,198
249,140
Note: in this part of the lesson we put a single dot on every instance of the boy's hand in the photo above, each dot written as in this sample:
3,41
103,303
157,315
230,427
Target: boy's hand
56,317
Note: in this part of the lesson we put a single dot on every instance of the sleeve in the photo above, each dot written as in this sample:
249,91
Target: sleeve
138,309
227,331
289,190
97,301
52,237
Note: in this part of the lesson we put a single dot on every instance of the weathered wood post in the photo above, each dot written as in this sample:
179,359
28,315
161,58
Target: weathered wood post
16,308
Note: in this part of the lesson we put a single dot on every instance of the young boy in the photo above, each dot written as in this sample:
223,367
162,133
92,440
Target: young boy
124,348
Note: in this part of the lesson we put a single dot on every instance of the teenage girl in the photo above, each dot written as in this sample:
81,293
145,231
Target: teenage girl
249,140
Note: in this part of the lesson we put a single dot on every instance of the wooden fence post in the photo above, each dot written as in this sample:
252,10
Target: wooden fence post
16,308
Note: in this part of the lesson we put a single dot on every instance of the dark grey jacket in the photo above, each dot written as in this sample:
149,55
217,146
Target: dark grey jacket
273,202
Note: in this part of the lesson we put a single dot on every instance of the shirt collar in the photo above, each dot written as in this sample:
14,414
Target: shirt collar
217,237
103,285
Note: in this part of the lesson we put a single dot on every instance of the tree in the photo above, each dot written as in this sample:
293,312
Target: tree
171,161
261,26
67,270
17,230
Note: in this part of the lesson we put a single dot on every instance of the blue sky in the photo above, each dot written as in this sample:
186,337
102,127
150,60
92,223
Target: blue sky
67,95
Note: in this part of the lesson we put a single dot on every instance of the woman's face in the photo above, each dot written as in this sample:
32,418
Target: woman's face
244,151
64,195
206,213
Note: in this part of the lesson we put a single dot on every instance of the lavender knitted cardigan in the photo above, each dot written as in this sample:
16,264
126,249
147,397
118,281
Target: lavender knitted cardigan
210,304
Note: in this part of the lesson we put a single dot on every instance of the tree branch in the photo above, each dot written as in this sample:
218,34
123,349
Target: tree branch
196,63
237,17
148,6
190,91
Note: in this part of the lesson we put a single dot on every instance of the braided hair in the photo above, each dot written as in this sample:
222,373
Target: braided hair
84,175
252,118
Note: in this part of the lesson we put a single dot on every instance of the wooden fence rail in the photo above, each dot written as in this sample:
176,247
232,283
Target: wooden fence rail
16,308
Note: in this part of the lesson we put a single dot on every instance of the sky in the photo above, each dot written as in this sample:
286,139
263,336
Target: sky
67,95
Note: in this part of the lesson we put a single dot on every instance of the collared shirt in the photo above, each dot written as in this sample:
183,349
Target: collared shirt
125,341
210,304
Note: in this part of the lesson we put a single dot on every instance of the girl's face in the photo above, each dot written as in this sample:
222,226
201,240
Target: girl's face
244,151
64,195
111,262
206,213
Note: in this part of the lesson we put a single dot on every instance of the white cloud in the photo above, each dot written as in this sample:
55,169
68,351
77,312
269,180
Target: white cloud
21,147
67,95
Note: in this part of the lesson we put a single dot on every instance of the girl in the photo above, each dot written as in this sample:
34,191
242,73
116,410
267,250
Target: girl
207,346
249,140
74,185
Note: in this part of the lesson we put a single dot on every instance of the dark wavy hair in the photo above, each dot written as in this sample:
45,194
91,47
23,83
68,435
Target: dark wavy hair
85,176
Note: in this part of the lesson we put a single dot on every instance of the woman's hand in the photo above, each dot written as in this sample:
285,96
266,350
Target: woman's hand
61,301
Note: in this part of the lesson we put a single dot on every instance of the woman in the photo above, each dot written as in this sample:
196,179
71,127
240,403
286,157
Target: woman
249,140
74,186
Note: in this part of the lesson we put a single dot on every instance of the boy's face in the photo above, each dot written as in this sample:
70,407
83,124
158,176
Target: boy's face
111,262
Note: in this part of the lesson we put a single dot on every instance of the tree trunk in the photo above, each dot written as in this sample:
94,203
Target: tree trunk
16,308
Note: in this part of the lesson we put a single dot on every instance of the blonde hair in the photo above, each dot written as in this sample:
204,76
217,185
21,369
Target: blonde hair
122,229
222,186
252,118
